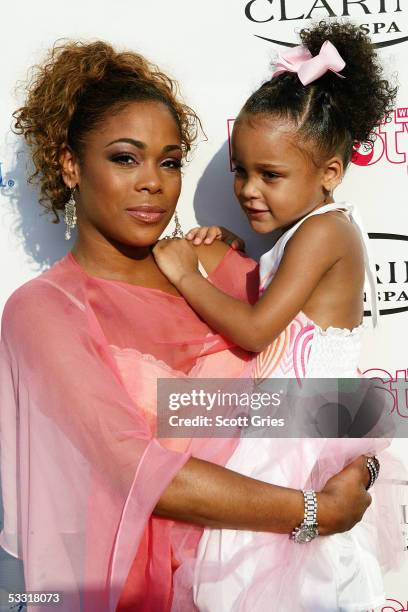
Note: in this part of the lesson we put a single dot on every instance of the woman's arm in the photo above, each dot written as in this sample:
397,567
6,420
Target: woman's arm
312,251
211,495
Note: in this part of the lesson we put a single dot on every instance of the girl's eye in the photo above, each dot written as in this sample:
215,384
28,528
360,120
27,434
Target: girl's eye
173,164
270,175
124,159
238,170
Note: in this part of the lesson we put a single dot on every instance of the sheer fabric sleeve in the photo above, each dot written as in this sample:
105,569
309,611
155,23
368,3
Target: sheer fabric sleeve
83,473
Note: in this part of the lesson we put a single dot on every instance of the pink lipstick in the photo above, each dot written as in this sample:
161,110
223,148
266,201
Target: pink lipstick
147,214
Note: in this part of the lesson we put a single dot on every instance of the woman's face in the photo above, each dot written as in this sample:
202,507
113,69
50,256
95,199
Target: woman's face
129,176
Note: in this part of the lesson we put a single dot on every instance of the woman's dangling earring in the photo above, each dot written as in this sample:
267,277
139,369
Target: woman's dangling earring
70,216
177,232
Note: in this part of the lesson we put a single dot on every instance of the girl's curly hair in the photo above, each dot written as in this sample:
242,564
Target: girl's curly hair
332,113
71,93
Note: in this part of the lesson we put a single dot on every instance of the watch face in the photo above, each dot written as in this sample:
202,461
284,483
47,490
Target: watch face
306,533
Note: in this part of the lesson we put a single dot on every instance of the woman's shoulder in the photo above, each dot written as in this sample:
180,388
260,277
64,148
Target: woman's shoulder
231,271
23,310
24,306
25,294
32,299
212,255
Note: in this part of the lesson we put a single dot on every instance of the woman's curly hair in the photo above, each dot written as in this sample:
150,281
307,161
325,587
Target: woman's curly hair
334,114
71,93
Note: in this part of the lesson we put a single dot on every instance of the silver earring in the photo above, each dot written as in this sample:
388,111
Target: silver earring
70,216
177,232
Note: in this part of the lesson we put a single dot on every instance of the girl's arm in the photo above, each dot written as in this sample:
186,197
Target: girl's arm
211,495
317,245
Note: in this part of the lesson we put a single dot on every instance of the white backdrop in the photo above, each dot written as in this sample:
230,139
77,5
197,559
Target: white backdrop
220,52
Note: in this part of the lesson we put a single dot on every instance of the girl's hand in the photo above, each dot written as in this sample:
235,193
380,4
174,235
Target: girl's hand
175,258
208,234
344,499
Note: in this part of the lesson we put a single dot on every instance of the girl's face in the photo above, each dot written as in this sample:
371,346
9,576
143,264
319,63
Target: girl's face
276,182
129,176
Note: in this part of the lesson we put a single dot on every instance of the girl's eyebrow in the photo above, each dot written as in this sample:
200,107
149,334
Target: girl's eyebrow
272,165
261,164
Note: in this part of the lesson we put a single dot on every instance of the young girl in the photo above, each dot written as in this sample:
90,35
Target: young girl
291,144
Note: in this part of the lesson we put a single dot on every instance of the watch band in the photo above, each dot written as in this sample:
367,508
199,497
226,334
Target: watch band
308,529
310,507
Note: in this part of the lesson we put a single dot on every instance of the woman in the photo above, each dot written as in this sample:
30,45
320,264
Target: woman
90,494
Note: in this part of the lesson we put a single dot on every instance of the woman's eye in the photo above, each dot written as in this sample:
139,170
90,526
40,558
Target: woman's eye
173,164
124,159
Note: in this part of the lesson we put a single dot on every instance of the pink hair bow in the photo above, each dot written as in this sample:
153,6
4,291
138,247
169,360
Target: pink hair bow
310,68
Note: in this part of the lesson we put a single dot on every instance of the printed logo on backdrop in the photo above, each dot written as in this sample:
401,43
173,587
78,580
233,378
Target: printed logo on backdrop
5,183
392,272
381,19
391,142
395,385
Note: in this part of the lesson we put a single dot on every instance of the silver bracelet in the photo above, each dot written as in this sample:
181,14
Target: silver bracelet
373,466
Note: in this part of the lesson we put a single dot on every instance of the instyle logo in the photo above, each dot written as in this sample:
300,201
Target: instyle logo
391,256
3,182
396,387
381,19
390,144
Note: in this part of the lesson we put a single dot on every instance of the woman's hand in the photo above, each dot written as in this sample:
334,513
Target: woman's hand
175,258
344,500
208,234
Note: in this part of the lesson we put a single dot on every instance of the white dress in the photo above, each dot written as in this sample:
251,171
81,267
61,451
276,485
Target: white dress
340,572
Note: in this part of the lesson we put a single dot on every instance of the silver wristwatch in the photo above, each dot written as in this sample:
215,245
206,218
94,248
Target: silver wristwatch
308,528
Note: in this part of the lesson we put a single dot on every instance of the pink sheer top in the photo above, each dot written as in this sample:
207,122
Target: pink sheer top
82,469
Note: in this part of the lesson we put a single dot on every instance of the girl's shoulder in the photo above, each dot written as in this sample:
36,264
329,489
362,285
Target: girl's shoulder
332,230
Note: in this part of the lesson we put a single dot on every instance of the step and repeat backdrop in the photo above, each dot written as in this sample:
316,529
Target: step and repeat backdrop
220,52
